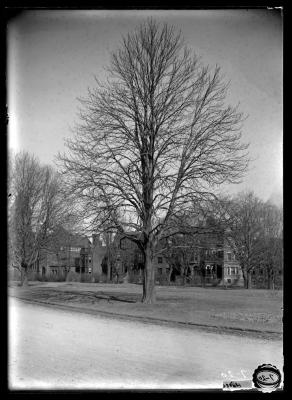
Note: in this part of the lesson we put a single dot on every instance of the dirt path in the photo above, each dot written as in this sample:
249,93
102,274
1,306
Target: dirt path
60,349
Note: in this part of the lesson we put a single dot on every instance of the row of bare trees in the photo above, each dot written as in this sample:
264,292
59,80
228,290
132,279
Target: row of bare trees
251,227
254,230
38,207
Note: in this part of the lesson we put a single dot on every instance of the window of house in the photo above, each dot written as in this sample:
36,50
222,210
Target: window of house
159,260
77,249
229,256
220,254
77,261
208,269
160,271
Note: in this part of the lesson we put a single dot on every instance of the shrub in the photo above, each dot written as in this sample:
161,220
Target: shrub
103,278
95,277
135,278
179,280
42,278
86,278
37,276
14,274
72,277
162,280
56,278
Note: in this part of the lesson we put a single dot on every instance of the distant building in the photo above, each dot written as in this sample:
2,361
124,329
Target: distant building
73,253
212,262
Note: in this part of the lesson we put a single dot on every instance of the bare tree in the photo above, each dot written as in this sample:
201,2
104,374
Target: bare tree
242,219
153,139
38,206
179,252
271,256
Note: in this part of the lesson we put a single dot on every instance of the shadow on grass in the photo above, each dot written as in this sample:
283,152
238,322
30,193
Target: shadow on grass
117,298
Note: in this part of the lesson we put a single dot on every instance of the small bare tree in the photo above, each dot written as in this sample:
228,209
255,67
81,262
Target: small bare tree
38,206
152,140
242,219
271,256
179,251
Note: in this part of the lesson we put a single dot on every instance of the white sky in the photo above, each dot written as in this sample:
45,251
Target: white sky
53,56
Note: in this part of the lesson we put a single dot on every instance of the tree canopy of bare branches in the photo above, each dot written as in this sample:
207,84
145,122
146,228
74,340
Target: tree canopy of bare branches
153,139
271,257
38,207
253,229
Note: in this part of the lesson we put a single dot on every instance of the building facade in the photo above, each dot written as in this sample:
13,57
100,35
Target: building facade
72,254
211,261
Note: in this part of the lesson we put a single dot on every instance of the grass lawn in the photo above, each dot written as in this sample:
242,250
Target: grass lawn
254,309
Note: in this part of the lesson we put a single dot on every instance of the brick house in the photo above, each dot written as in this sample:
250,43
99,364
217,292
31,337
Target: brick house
73,253
212,262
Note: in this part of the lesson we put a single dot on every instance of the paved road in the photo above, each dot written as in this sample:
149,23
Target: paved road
52,348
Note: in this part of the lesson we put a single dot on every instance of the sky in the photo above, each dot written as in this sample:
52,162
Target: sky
53,56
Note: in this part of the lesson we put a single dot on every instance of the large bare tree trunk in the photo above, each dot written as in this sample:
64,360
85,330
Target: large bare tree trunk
184,276
108,277
24,275
149,294
246,278
271,280
108,261
169,275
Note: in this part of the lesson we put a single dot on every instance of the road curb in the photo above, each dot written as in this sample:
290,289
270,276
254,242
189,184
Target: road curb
150,320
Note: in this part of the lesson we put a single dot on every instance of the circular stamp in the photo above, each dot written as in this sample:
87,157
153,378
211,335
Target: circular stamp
266,377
